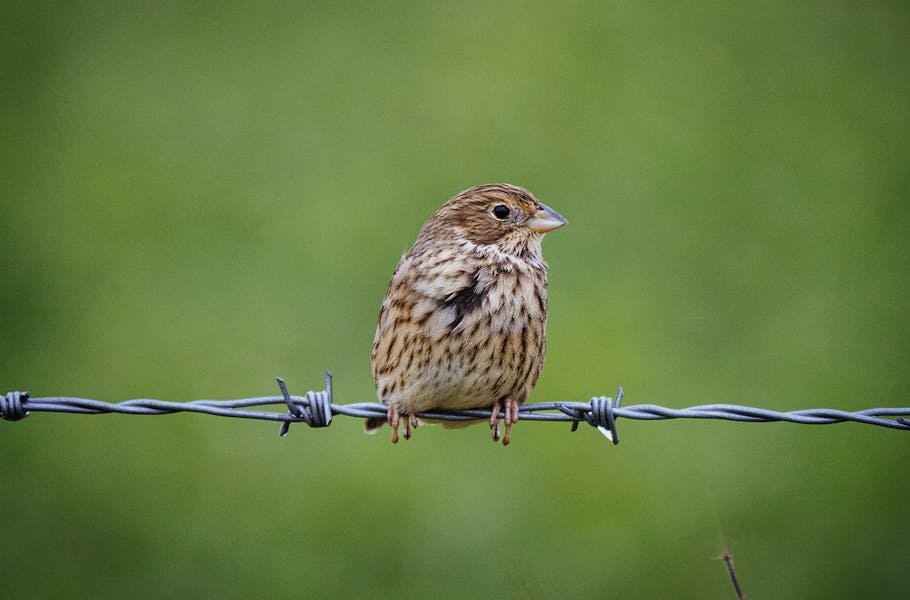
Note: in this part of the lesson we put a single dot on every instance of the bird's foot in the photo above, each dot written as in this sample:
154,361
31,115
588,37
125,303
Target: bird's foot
510,408
393,422
410,420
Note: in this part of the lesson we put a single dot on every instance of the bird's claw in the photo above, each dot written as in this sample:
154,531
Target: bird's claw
409,423
393,422
394,418
510,409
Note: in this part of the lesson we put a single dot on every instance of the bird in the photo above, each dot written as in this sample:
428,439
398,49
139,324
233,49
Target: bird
463,322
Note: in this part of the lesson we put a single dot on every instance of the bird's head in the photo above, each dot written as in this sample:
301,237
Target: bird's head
501,215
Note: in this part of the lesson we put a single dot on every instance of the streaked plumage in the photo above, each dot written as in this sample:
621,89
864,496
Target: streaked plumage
463,321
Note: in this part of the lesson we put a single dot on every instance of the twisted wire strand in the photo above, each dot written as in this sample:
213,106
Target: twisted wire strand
316,409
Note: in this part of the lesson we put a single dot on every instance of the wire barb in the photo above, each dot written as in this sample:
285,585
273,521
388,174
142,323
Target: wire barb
318,403
600,415
317,409
11,408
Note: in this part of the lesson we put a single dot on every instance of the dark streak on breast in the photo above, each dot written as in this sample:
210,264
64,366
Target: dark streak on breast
464,301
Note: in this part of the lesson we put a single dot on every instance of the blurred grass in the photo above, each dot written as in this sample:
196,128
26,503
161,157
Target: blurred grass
198,197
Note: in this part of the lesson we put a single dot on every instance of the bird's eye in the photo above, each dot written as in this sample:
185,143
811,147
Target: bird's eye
501,211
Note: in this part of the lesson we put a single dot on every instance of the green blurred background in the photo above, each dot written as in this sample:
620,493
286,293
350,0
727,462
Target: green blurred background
197,197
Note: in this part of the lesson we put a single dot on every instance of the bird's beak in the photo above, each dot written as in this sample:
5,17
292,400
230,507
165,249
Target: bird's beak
546,219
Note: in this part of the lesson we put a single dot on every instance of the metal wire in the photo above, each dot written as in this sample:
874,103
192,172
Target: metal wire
316,409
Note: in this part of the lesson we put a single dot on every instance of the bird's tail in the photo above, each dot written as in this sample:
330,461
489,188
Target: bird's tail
372,424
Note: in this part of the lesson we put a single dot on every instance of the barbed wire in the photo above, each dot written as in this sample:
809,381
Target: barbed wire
317,409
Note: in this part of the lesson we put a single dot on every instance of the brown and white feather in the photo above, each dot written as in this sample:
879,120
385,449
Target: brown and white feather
463,322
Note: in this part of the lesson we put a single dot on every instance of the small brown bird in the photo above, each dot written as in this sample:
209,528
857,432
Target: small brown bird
462,324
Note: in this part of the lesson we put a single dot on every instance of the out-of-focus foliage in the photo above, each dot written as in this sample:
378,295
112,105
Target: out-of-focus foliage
197,197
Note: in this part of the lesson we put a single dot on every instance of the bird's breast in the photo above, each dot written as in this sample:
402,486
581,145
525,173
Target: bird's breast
483,344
